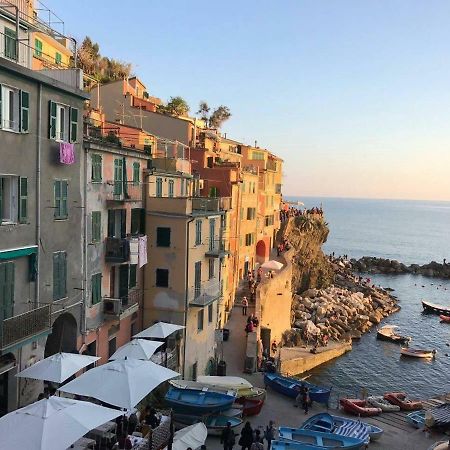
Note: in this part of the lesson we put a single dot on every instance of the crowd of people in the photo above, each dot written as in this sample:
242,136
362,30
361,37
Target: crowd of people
292,211
249,439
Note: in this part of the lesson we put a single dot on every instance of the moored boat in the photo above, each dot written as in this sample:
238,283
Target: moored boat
444,318
214,423
435,309
387,333
382,403
374,432
358,407
418,353
402,400
291,445
291,387
416,418
319,439
187,401
440,445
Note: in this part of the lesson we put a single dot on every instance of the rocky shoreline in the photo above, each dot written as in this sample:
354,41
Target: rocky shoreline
373,265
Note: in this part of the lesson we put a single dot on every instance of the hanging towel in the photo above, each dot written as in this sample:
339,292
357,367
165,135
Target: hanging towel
142,251
66,153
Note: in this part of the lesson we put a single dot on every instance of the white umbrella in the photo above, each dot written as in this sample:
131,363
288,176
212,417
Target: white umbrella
123,382
58,367
52,424
192,436
159,330
272,265
137,349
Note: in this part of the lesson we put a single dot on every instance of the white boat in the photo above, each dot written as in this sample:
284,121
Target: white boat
228,382
388,333
440,445
380,402
417,352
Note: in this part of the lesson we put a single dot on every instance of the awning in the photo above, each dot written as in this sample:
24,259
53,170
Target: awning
18,252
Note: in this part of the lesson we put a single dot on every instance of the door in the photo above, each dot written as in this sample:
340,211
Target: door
6,290
117,219
198,278
245,269
123,283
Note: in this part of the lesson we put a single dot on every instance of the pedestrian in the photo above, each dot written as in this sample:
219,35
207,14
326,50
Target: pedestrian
227,438
255,321
274,347
257,442
244,306
203,447
249,327
269,434
305,399
246,439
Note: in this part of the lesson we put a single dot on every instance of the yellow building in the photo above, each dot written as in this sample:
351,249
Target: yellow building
50,52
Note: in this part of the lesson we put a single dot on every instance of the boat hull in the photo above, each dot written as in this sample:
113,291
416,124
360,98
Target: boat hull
417,353
358,407
397,339
444,318
400,399
382,403
435,309
215,424
374,432
416,419
251,407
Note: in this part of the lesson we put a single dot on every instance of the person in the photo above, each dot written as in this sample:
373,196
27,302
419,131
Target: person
203,447
227,438
151,419
132,423
274,347
244,306
259,275
257,442
246,439
249,327
259,354
299,397
269,434
255,321
305,399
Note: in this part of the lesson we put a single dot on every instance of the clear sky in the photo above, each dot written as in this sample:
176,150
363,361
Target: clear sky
353,95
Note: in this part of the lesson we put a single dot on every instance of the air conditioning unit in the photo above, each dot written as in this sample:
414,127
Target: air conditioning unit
201,184
112,306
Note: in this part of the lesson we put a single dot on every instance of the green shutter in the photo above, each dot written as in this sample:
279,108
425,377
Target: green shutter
58,58
96,286
61,268
1,123
96,173
73,124
6,290
1,199
23,199
57,198
37,48
132,278
96,226
118,173
56,276
136,172
24,111
64,209
52,120
10,43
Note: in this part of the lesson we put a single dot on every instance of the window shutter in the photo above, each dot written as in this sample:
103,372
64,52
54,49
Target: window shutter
64,187
123,223
111,218
52,120
56,276
57,197
1,123
23,199
1,199
24,111
142,221
63,274
73,130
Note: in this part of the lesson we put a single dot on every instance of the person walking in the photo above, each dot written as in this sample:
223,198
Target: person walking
246,439
244,306
227,438
269,434
257,442
305,399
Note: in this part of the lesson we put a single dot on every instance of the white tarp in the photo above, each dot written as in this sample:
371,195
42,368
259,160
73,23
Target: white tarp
159,330
272,265
192,436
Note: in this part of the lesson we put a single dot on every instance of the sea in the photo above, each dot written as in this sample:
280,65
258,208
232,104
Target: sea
410,232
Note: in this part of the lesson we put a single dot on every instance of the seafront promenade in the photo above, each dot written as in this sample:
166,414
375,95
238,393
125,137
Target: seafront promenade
398,434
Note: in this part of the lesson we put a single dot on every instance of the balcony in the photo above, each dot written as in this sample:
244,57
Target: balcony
117,250
121,307
204,295
211,204
122,191
271,165
218,249
14,50
26,326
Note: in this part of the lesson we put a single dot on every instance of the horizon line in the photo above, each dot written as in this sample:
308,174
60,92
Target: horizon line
368,198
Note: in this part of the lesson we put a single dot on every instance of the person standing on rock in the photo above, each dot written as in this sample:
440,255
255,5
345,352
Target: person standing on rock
244,306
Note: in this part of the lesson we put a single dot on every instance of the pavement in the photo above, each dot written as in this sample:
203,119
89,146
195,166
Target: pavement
398,434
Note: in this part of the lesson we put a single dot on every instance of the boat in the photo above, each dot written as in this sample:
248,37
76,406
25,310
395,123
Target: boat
291,387
291,445
251,407
374,432
193,401
358,407
416,418
444,318
435,309
214,423
380,402
319,439
387,333
417,353
402,400
440,445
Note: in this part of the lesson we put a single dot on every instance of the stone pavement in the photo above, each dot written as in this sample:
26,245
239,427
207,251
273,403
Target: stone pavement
397,436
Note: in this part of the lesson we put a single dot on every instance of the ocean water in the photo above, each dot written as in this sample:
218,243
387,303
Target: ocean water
411,232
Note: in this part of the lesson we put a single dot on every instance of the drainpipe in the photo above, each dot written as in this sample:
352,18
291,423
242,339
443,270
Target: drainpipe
38,196
85,249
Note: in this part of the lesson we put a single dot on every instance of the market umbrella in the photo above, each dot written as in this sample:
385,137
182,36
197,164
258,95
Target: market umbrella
159,330
52,424
272,265
137,349
192,436
123,382
58,367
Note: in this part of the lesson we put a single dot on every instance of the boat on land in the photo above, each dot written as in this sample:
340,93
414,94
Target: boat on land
291,445
358,407
440,445
186,401
319,439
435,309
417,353
380,402
214,423
291,387
251,407
416,418
402,400
387,333
444,318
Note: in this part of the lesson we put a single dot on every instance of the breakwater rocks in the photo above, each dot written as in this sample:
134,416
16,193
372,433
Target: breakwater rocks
370,264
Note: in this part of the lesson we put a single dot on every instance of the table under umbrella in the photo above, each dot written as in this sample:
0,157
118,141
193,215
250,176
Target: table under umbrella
159,330
137,349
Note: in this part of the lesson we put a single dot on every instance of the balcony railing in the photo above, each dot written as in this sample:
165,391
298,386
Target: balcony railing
123,191
168,359
25,326
211,204
218,249
117,250
122,307
205,294
14,50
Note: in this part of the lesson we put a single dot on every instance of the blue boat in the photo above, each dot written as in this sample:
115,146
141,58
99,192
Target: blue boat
319,439
291,387
374,432
214,423
193,401
286,445
416,418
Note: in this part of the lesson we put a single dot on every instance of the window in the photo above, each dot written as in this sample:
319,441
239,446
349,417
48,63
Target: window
223,221
6,290
23,200
60,199
59,275
210,313
182,187
242,214
63,122
212,231
117,219
133,276
251,213
112,345
13,199
200,315
137,221
96,288
58,58
37,48
10,43
258,156
159,187
136,173
268,221
118,176
198,232
162,237
162,277
14,109
211,268
96,170
170,188
249,239
214,192
96,226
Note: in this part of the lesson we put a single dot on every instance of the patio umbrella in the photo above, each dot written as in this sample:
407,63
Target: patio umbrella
192,436
159,330
123,382
137,349
52,424
58,367
272,265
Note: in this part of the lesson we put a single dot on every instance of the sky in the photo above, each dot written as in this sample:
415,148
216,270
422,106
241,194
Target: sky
353,95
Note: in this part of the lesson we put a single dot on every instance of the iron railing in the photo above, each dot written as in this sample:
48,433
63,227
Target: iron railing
215,204
117,250
204,294
123,191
